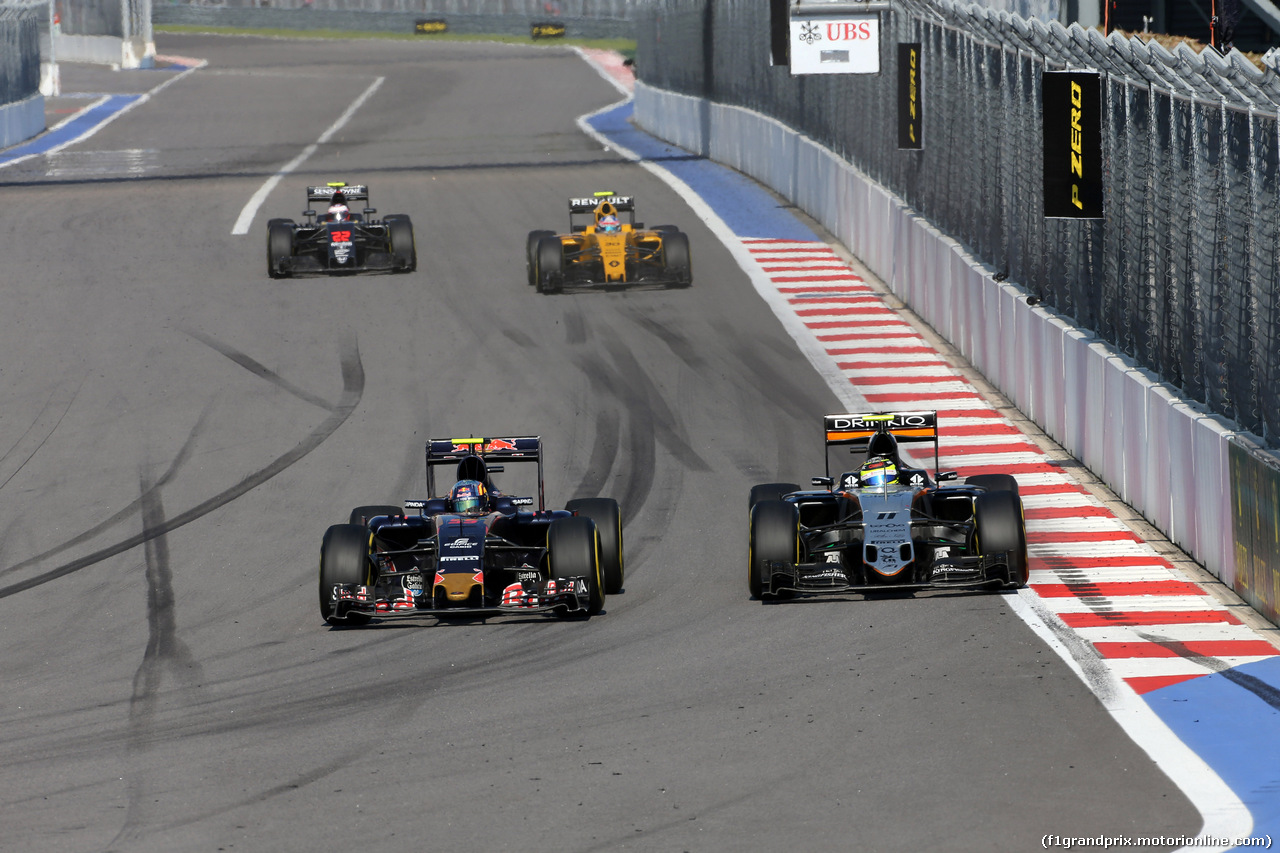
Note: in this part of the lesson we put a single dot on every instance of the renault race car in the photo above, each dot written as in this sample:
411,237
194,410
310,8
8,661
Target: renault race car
342,242
883,525
606,246
478,551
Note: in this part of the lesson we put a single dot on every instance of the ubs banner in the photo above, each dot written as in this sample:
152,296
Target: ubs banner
1255,517
1072,144
910,97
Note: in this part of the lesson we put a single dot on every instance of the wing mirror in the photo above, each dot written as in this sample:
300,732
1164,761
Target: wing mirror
944,476
822,481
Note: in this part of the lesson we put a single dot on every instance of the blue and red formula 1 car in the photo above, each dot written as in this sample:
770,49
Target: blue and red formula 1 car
476,551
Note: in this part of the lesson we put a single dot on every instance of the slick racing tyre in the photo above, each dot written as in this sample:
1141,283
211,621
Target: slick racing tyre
770,492
550,266
573,549
675,254
775,535
608,518
999,526
400,235
993,482
531,253
279,247
344,558
362,515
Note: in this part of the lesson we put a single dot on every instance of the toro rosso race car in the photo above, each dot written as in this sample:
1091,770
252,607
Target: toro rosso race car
883,525
476,551
339,240
606,246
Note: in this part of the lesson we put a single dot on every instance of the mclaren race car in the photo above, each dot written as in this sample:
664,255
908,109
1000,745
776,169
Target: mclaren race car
605,246
338,240
476,551
884,525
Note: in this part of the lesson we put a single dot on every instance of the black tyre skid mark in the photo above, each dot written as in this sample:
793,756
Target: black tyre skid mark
164,651
352,391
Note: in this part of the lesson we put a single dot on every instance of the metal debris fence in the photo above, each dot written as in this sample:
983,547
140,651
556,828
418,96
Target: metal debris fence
1183,274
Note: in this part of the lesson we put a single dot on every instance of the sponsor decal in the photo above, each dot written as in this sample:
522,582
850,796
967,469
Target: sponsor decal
495,444
464,542
615,200
439,579
910,98
826,574
522,501
833,557
470,558
528,577
1072,122
415,504
428,26
917,480
413,584
829,45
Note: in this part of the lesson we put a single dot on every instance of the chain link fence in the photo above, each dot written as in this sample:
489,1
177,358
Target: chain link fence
1183,274
20,50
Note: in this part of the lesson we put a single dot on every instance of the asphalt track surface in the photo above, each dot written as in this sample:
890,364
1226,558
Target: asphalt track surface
177,430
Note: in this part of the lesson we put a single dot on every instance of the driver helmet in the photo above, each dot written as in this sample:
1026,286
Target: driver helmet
469,496
609,223
877,472
338,210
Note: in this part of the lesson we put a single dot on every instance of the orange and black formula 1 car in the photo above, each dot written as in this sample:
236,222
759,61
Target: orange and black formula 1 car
885,526
478,551
607,247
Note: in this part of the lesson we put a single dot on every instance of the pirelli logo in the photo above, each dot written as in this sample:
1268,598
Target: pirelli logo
1072,121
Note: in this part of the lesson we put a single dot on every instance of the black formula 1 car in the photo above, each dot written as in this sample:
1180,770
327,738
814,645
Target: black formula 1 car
885,526
345,242
477,552
605,246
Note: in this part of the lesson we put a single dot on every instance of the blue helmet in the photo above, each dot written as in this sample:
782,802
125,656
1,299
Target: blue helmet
469,496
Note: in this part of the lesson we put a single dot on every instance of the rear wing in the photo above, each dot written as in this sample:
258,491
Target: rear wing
353,192
855,430
444,451
621,203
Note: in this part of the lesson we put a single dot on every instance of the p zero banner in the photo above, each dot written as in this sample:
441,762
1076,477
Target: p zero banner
910,97
1072,144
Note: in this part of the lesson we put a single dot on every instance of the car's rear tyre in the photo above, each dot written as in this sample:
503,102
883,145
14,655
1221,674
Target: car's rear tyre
774,535
550,266
279,247
676,258
344,559
531,253
993,482
404,251
362,514
999,526
608,519
573,548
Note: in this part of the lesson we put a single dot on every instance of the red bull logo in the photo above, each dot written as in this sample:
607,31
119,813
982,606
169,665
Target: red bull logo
499,444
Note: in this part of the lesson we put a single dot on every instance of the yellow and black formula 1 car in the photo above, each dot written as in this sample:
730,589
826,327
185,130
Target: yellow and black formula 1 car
607,247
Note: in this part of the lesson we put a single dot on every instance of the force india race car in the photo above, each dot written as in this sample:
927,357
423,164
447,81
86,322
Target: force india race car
606,246
477,552
355,242
884,526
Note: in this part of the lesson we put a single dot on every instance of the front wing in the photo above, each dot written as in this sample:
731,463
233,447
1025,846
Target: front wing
825,578
566,595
